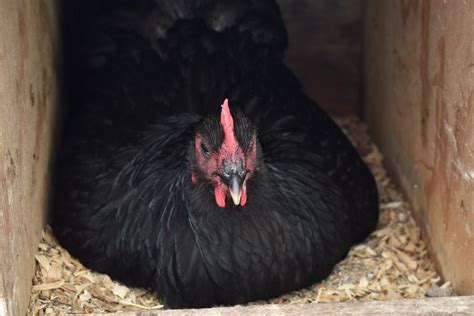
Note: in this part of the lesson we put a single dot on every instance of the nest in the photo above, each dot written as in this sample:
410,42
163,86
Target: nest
392,263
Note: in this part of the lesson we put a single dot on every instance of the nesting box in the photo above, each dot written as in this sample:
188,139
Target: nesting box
406,67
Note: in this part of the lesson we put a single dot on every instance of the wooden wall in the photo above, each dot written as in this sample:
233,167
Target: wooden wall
28,94
325,50
419,103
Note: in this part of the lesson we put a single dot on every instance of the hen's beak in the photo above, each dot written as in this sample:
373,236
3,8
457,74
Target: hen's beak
235,188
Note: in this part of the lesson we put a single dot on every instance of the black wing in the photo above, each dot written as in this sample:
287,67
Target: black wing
293,130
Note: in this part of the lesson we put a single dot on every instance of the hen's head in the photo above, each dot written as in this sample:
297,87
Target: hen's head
225,155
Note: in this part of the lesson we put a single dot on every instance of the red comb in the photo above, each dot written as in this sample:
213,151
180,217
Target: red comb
227,123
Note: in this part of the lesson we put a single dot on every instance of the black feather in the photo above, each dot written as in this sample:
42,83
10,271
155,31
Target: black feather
149,75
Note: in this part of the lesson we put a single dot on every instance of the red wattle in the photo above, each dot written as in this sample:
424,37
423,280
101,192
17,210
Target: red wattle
243,197
219,195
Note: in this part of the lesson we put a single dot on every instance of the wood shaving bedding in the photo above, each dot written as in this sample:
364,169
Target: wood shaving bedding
392,263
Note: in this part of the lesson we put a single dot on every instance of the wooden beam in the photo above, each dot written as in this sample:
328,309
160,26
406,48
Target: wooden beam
458,305
28,94
419,105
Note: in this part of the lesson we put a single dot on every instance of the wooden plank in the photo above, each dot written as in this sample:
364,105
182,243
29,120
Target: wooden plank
28,44
419,103
5,307
325,50
432,306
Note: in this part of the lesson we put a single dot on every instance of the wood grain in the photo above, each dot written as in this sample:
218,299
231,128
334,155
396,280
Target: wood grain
434,306
28,45
419,104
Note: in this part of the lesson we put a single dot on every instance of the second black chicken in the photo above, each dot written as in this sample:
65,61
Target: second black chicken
160,186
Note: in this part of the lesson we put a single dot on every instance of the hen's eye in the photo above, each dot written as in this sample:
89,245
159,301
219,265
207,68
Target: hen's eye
204,150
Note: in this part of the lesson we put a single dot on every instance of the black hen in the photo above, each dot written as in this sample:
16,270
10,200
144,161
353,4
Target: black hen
160,188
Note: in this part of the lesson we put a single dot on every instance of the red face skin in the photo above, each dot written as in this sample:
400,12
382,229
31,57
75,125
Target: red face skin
230,153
